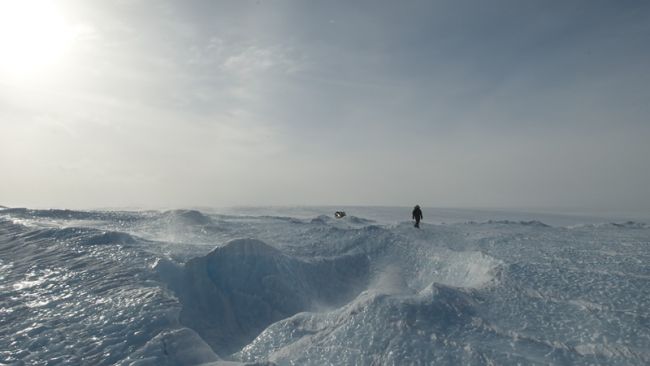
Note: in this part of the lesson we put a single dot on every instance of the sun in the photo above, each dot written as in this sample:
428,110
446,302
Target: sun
33,36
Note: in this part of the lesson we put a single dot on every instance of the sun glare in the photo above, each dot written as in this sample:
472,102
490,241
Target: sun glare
33,36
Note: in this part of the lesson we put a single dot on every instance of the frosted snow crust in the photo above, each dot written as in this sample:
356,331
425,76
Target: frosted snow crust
186,287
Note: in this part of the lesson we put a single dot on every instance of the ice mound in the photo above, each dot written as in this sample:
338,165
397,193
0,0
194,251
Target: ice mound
630,225
187,217
375,328
231,294
183,227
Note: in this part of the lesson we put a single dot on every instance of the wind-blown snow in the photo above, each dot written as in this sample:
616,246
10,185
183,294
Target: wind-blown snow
186,287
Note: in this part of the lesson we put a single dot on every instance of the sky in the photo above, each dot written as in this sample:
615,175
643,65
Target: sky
160,103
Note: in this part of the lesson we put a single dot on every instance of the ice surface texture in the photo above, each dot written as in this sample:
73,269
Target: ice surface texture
186,287
230,295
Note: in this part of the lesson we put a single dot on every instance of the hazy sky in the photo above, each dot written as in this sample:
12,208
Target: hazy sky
158,103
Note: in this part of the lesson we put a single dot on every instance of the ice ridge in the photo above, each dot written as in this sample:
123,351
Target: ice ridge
231,294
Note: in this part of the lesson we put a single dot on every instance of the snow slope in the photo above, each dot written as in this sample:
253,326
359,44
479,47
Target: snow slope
188,287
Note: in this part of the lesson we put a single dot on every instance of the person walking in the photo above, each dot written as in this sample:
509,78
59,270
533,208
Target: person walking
417,216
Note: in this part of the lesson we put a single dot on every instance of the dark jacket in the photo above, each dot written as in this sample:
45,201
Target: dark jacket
417,213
